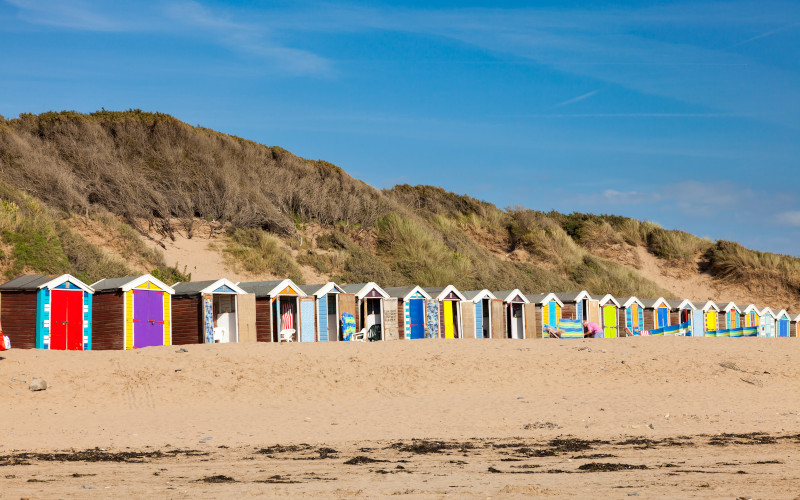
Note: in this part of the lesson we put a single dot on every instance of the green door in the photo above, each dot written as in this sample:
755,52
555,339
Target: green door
610,321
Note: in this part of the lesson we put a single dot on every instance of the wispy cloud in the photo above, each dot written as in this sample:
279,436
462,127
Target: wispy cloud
579,98
765,35
791,218
80,15
692,198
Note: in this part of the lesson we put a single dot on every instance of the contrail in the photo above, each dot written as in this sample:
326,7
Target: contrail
577,99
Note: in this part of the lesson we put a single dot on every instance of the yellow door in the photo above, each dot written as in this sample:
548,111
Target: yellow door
610,321
711,321
449,332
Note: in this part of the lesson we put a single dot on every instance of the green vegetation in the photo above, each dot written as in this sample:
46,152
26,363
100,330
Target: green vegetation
133,172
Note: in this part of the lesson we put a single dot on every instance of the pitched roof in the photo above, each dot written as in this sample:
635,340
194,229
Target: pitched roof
574,296
362,289
38,281
322,289
628,301
507,295
543,298
476,295
683,305
208,286
653,303
130,282
404,292
439,292
263,289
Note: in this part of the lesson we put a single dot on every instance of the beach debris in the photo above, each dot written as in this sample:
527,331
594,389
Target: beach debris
182,350
38,384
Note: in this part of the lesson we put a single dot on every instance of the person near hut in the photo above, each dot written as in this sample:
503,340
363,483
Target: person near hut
592,330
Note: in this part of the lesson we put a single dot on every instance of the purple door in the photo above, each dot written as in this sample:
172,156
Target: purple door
148,318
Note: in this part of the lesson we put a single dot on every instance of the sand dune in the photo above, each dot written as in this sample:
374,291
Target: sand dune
340,395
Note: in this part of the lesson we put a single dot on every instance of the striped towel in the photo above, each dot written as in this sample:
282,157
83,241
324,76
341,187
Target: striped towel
287,316
571,328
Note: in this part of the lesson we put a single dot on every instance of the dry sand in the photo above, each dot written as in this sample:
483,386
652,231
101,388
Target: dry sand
648,417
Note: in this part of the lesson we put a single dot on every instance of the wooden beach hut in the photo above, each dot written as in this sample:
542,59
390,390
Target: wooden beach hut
580,306
751,316
448,299
484,303
277,309
730,317
369,306
794,326
547,312
782,323
609,312
47,312
518,312
683,312
766,326
410,310
655,313
131,313
326,298
212,312
710,312
631,313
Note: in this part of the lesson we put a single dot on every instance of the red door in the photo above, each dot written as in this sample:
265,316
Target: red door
66,320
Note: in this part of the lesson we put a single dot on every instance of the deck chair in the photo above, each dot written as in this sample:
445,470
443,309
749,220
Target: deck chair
359,336
552,331
374,333
286,335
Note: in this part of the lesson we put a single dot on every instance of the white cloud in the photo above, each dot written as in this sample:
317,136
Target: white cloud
791,218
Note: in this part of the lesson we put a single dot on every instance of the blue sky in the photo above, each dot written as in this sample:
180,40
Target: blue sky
683,113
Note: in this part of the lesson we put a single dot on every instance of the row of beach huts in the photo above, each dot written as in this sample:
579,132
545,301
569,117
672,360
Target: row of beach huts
61,312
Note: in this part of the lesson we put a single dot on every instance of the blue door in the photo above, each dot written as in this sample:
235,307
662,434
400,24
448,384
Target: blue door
416,316
479,319
663,317
783,328
697,323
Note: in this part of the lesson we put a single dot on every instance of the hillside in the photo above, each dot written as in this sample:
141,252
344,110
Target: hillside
111,193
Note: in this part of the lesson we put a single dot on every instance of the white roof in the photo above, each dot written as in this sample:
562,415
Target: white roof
479,295
751,308
685,304
514,293
630,301
710,305
731,305
447,290
406,292
782,314
544,298
64,278
795,317
365,289
766,311
328,288
610,298
216,284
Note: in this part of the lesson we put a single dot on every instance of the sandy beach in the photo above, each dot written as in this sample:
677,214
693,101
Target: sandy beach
649,417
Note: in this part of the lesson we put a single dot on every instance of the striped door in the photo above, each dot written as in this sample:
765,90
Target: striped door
479,319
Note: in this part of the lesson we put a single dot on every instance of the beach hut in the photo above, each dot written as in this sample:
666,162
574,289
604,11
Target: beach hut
519,312
710,312
449,301
631,313
369,306
655,313
547,312
730,317
751,316
327,311
131,313
683,312
411,310
609,312
794,326
580,306
766,325
278,303
483,302
211,312
47,312
782,321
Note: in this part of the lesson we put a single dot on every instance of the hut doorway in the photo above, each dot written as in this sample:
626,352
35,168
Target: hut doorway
783,328
333,317
225,321
416,316
516,320
372,314
450,319
287,317
662,317
66,320
486,325
148,318
697,323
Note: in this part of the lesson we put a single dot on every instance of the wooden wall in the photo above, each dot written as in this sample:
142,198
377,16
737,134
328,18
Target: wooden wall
187,321
649,318
569,311
108,321
18,317
263,320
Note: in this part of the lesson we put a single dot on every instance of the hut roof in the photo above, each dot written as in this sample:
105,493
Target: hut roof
654,303
404,292
508,295
628,301
574,296
187,288
543,298
684,304
27,282
129,283
362,289
262,289
439,292
478,295
323,289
